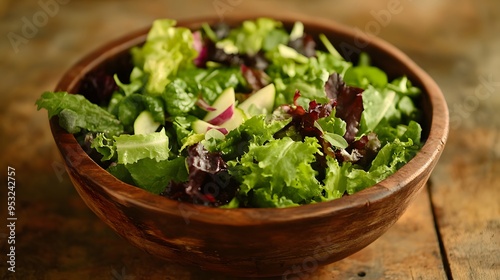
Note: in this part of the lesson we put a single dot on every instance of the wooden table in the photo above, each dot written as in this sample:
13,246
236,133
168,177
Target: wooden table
451,231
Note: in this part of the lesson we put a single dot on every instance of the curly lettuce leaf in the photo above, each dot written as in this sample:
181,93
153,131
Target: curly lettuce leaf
412,131
131,148
105,146
333,129
330,63
310,90
279,173
257,130
292,71
335,182
75,113
389,159
167,49
386,108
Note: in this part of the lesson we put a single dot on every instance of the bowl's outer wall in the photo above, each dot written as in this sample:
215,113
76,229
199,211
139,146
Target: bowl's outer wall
256,242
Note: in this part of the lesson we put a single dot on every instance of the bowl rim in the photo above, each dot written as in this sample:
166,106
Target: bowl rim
130,195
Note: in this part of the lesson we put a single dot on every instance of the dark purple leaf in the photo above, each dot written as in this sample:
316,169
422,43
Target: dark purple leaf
209,182
256,78
348,101
305,45
361,151
303,122
98,86
218,55
257,61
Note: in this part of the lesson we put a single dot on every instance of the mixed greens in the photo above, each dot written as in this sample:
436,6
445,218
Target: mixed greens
250,116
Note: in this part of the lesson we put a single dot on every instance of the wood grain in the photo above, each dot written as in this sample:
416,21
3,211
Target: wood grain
409,250
466,198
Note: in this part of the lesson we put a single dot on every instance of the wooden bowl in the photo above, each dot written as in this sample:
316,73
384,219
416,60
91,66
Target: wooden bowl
257,242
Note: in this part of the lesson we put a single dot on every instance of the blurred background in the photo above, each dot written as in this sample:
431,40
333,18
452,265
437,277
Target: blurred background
456,42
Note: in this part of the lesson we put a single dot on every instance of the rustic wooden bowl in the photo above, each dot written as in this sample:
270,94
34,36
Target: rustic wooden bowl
257,242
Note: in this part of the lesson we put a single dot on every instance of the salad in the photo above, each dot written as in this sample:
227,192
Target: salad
251,116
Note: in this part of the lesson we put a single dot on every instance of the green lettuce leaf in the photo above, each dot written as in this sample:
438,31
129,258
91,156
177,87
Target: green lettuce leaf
333,129
386,108
279,173
336,178
154,176
210,83
408,109
115,100
389,159
75,113
138,80
378,105
129,107
293,71
131,148
121,172
253,36
151,175
179,98
190,84
182,128
387,134
403,86
257,130
105,146
313,89
363,76
359,179
330,63
167,49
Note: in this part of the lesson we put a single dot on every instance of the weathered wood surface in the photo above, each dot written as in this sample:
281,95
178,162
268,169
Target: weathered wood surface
466,199
456,42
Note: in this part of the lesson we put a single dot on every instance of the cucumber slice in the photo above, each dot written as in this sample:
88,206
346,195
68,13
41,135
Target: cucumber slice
224,108
145,124
201,127
238,118
261,102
